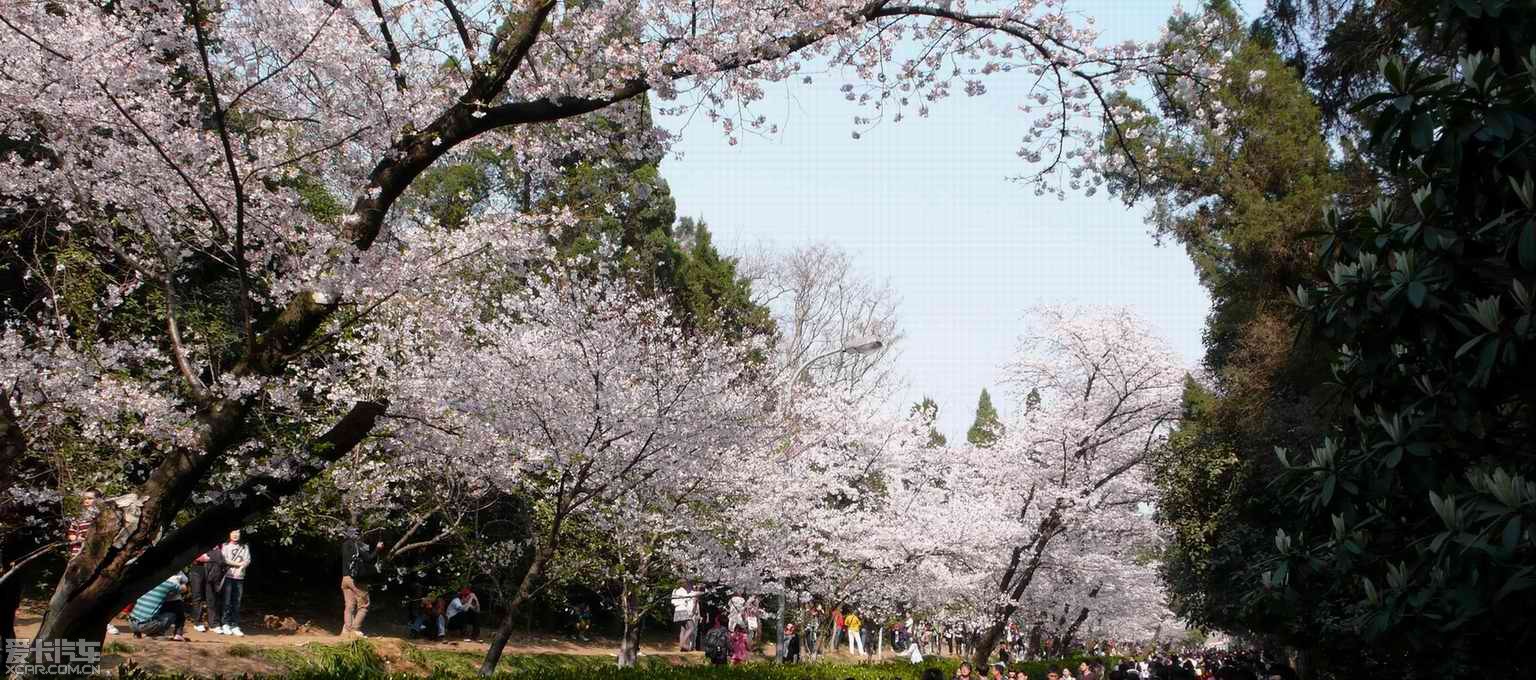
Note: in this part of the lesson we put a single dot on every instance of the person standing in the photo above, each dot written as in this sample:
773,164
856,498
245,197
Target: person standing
791,644
754,617
813,628
464,613
237,558
80,526
739,653
685,611
837,628
737,606
206,583
855,633
717,642
357,570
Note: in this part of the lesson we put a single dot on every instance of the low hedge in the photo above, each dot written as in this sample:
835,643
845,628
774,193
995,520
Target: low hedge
360,661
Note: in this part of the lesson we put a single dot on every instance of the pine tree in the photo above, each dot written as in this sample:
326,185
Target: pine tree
928,411
987,428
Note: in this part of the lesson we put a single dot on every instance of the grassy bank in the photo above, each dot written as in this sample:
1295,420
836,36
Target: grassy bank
363,660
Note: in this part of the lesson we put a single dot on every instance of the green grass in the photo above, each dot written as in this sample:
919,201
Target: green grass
359,660
243,651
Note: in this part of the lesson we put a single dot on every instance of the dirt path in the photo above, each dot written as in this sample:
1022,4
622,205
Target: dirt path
209,653
262,649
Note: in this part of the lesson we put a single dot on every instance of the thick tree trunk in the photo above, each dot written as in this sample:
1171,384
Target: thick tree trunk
128,550
1082,615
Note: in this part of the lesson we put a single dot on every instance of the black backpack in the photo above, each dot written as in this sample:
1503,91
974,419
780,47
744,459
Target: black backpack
716,644
364,568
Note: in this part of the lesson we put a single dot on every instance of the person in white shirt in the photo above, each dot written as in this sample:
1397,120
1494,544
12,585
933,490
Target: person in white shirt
237,558
464,611
685,610
738,609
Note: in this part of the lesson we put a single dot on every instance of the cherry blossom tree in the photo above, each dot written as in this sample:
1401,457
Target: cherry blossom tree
584,399
842,508
249,157
1097,391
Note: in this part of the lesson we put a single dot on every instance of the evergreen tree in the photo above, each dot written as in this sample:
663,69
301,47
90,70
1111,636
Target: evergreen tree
623,210
927,411
987,428
1240,196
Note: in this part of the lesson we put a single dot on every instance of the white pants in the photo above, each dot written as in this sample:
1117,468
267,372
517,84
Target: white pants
856,642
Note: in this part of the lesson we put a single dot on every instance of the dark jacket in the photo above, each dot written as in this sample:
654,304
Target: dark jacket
215,568
357,560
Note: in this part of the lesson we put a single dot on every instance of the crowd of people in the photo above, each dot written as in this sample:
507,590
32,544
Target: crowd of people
208,592
734,628
1203,665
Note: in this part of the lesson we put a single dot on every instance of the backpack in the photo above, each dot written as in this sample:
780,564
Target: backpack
364,568
716,644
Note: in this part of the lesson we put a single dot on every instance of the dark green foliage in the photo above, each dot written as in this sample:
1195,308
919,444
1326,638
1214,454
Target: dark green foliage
1410,523
927,411
1240,197
986,429
620,211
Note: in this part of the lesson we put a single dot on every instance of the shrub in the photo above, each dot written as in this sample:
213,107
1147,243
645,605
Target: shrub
360,661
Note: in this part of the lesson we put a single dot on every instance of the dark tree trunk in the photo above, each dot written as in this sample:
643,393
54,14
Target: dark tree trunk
1070,635
128,550
21,549
509,618
1082,615
630,609
12,582
1015,581
1034,636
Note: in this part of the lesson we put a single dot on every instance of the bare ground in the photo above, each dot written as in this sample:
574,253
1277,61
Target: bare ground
208,653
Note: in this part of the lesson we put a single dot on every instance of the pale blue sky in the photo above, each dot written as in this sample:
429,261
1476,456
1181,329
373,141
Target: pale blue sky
926,205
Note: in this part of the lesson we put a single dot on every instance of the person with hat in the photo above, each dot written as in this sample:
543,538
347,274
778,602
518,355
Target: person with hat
464,613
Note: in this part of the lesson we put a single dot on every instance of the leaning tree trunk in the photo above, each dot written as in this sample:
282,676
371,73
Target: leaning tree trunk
509,619
1082,615
1070,636
132,547
1015,581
